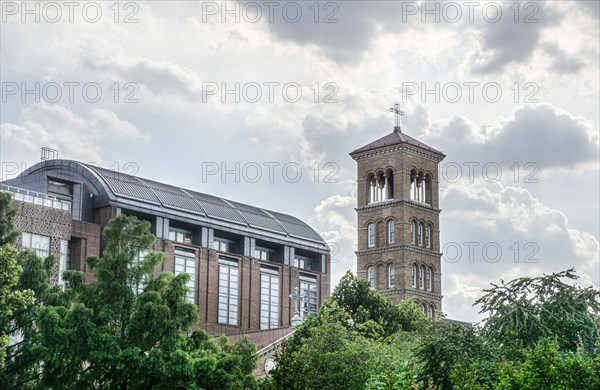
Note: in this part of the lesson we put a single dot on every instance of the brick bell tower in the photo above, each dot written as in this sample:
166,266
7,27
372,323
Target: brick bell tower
399,218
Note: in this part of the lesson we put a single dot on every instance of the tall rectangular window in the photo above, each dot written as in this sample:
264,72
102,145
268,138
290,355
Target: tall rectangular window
391,233
269,298
308,295
228,291
138,285
185,261
37,243
65,259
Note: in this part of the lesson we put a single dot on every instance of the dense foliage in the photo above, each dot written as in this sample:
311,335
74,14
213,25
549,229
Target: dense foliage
540,333
11,299
104,335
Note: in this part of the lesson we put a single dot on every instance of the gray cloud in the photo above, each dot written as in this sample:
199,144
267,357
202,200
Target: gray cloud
542,134
563,63
532,238
508,41
350,31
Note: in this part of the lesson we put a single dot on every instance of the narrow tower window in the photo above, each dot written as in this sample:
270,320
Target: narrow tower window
429,278
371,231
371,275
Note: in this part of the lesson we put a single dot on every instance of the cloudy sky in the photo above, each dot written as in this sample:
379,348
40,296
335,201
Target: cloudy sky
261,102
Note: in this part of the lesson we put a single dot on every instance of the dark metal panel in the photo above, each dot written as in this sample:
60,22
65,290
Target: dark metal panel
173,196
258,218
296,227
123,184
217,208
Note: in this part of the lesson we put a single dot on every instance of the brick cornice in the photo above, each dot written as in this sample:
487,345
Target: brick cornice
410,248
392,202
421,293
396,148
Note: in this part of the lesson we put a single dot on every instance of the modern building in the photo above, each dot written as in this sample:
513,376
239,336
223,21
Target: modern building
244,261
399,219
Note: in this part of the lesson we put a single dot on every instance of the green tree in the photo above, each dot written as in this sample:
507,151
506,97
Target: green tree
8,232
545,367
356,297
526,310
10,299
446,349
104,335
22,364
356,335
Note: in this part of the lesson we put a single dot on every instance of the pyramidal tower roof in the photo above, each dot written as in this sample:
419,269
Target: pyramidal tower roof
396,137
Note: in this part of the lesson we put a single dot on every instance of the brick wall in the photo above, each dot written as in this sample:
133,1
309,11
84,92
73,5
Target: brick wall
45,221
402,159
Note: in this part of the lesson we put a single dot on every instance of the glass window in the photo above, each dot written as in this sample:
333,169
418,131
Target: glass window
429,278
391,233
428,236
304,262
181,236
263,253
420,235
391,275
414,276
423,308
371,275
269,298
371,230
412,231
185,261
430,311
422,277
228,291
308,295
37,243
138,286
223,245
65,259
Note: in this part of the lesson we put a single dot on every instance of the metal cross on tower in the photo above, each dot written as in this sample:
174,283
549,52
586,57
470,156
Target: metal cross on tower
396,110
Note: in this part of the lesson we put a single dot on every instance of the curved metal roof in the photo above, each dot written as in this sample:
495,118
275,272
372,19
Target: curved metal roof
119,187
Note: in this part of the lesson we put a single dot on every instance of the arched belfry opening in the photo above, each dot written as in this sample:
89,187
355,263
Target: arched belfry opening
398,217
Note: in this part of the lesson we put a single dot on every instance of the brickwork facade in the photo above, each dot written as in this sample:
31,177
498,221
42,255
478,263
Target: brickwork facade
207,292
400,165
44,221
65,204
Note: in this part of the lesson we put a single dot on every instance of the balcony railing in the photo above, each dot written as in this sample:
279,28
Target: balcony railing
38,198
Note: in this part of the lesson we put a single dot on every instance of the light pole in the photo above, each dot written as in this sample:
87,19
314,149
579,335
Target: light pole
296,320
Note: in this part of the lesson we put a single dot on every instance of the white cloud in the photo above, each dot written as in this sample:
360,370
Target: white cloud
542,134
532,238
60,128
